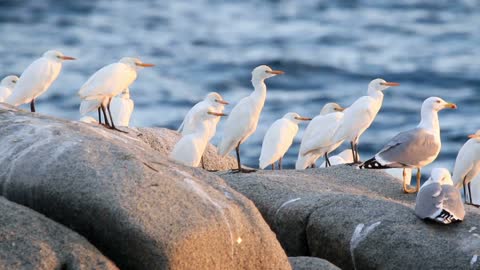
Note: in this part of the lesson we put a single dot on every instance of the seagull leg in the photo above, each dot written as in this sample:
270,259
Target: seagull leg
419,177
280,163
32,105
111,119
240,169
406,189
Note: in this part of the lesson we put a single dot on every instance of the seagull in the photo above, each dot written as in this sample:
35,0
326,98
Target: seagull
414,148
279,138
122,108
360,115
319,139
6,87
110,81
467,165
439,200
243,118
344,157
37,78
190,148
213,99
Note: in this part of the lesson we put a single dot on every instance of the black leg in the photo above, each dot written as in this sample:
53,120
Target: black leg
327,161
465,191
280,163
356,152
99,116
32,105
273,166
239,163
107,123
354,155
313,166
111,119
203,163
470,193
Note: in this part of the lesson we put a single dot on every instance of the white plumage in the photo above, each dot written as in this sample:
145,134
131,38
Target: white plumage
342,158
243,118
279,138
467,166
122,108
360,115
319,137
190,148
37,78
6,86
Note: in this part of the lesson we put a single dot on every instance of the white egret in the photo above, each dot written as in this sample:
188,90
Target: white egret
319,137
439,200
243,118
279,138
110,81
467,166
122,108
360,115
414,148
190,148
37,78
6,86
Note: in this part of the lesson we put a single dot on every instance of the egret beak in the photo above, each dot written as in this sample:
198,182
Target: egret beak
67,58
275,72
221,101
451,106
144,65
217,114
339,109
390,83
303,118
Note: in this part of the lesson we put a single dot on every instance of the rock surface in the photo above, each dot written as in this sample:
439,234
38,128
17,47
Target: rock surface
29,240
311,263
137,207
357,219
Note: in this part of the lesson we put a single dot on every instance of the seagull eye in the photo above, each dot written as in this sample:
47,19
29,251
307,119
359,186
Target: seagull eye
438,101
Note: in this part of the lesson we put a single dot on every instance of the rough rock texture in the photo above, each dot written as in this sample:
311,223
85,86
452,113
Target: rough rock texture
357,219
137,207
29,240
163,140
311,263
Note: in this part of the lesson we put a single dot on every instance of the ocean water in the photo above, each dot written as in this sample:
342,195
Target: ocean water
330,50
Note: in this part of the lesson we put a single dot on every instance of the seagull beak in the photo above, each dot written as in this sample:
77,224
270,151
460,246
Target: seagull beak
275,72
144,65
390,83
217,114
67,58
471,136
303,118
221,101
451,105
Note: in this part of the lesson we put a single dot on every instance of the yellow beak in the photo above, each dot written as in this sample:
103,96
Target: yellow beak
451,105
144,65
221,101
217,114
303,118
390,83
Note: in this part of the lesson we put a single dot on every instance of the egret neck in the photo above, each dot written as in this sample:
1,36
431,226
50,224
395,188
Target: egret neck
260,93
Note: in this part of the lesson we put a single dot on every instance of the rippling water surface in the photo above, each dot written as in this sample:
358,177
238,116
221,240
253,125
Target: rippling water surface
330,50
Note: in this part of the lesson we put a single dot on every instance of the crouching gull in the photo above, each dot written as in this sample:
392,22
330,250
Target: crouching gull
414,148
439,200
467,166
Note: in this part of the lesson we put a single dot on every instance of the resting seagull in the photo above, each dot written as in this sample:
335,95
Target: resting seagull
439,200
467,166
414,148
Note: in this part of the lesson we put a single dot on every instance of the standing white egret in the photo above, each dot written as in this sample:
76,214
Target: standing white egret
243,118
360,115
122,108
439,200
467,165
6,87
413,148
190,148
37,78
279,138
110,81
319,137
213,99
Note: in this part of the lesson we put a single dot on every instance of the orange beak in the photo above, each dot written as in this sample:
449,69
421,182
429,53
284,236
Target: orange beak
471,136
144,65
221,101
276,72
390,83
303,118
451,105
68,58
217,114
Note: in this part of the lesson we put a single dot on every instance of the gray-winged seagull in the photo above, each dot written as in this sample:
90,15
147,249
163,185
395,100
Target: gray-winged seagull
414,148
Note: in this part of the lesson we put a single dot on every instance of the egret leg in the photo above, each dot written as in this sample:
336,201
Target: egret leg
99,116
280,163
470,193
352,146
240,169
203,163
111,119
313,165
107,123
406,189
273,166
327,161
32,105
465,191
356,153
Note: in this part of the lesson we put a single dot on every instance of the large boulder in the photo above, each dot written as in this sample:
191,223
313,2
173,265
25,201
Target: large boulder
357,219
311,263
29,240
136,206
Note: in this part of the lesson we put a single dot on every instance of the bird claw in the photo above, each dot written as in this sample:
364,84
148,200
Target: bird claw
409,189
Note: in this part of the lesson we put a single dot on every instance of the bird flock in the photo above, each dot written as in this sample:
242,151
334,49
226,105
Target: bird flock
107,93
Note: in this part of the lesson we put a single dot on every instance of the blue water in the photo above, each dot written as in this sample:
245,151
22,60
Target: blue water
330,50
